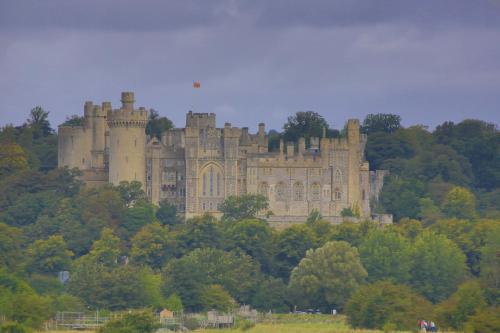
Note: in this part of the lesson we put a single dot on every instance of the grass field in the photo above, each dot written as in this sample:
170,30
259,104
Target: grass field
297,324
284,323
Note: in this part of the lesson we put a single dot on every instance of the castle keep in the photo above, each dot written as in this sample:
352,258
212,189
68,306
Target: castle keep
198,166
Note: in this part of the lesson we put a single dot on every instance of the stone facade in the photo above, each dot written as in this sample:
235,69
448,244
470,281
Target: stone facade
198,166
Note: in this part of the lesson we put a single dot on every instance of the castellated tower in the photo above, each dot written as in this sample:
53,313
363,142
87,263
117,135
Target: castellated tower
127,142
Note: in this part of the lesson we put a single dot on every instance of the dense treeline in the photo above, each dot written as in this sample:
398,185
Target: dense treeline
439,260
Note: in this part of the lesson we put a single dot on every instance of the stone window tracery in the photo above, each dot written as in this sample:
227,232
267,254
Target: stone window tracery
298,191
280,192
338,176
264,189
338,194
315,192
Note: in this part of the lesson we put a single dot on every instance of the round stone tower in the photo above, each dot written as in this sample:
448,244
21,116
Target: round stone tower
127,142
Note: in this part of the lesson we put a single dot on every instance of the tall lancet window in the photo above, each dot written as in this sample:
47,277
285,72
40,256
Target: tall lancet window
204,184
218,184
211,181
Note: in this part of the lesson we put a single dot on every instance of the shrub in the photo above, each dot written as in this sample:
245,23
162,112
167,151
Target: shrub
383,305
140,322
244,324
12,327
484,321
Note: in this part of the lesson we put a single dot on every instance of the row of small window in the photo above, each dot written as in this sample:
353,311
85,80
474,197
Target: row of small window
209,206
313,172
280,192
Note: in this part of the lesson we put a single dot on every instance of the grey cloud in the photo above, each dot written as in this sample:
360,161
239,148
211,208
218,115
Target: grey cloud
257,61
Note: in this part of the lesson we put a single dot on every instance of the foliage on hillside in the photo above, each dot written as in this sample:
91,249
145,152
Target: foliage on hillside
123,252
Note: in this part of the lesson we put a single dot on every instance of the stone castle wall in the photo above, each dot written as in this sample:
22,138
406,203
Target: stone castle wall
197,167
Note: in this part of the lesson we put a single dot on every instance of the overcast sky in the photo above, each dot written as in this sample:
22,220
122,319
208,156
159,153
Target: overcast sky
260,60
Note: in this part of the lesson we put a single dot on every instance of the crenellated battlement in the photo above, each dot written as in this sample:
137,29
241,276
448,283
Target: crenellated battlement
200,120
198,166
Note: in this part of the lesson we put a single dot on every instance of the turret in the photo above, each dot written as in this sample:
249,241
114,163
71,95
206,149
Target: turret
127,146
128,101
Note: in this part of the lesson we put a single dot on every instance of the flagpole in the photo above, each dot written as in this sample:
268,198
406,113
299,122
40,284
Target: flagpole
196,86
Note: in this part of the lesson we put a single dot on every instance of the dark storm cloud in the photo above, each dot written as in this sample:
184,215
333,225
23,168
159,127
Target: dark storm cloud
429,61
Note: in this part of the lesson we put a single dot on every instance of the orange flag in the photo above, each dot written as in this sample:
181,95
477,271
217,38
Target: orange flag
196,84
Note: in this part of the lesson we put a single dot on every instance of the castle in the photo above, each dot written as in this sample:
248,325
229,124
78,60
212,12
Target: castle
198,166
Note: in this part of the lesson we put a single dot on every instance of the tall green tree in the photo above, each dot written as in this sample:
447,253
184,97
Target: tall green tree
157,125
39,121
255,238
460,203
381,122
438,266
187,277
49,256
304,124
152,246
386,256
327,276
291,246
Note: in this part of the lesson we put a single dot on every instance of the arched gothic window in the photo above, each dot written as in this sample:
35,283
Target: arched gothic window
280,192
298,191
315,192
264,189
338,194
338,176
211,181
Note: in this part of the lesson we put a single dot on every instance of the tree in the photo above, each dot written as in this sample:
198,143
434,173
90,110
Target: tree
460,203
167,214
401,197
271,295
429,211
113,288
383,148
174,303
386,255
381,122
12,159
490,267
465,302
157,125
49,256
327,276
291,246
378,305
215,297
39,122
134,218
152,246
484,321
74,120
246,206
438,266
200,232
304,124
254,237
189,275
10,246
131,192
106,250
479,142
